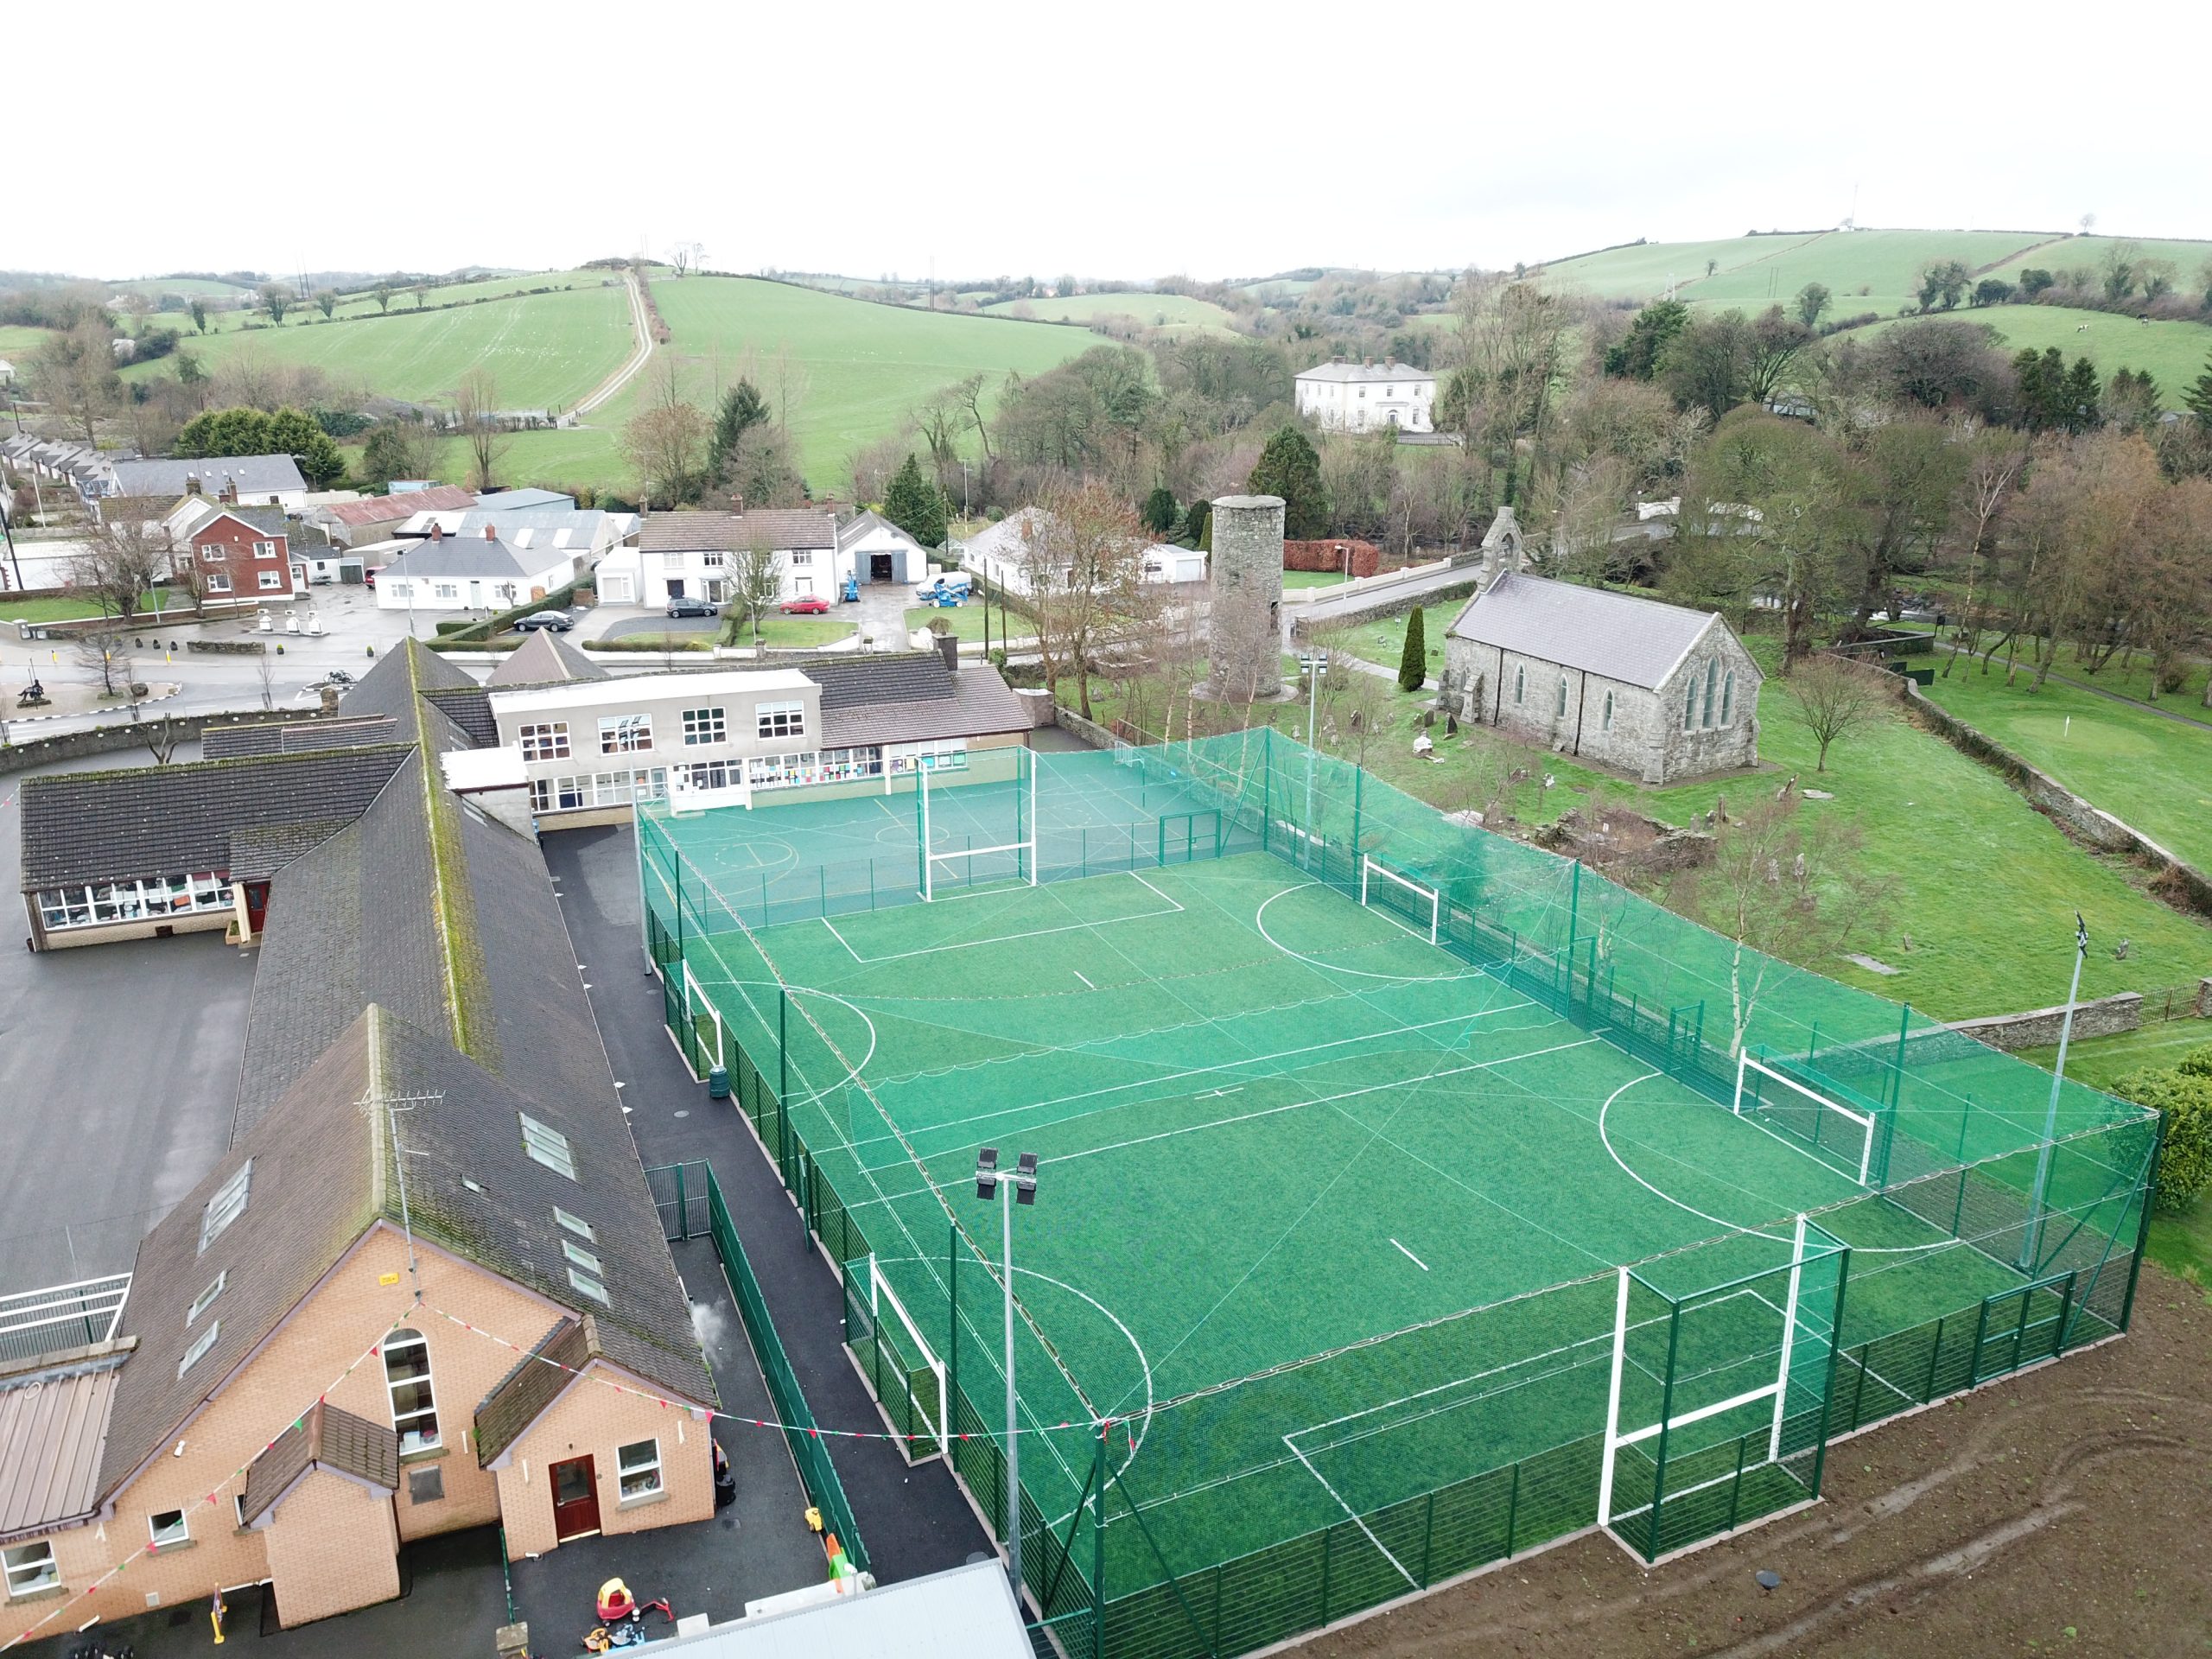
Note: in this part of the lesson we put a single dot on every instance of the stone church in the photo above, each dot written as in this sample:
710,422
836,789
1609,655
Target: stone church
1658,691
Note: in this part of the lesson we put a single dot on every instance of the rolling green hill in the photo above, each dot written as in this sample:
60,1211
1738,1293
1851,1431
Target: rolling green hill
1867,270
865,368
1173,311
2191,260
365,305
2174,352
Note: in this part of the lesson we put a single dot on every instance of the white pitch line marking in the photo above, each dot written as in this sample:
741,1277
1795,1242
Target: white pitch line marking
1411,1258
1087,985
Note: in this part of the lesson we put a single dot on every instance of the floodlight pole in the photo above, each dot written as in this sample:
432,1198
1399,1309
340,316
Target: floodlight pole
2029,1243
1021,1183
1317,665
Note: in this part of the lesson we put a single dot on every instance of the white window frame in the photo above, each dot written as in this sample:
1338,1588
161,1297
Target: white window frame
625,733
408,1342
445,590
227,1205
711,559
30,1568
589,1287
215,553
548,1146
170,1537
265,550
583,1258
200,1344
271,581
206,1298
545,740
575,1225
218,582
801,559
646,1469
703,726
775,720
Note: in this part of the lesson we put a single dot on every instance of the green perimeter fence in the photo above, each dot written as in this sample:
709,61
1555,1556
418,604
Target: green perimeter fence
1959,1146
689,1200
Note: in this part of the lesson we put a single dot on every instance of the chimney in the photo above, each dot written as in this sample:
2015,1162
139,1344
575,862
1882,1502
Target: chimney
948,646
437,530
229,493
329,699
491,533
192,483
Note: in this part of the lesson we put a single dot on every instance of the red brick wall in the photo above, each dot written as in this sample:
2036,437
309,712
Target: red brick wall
235,540
1366,557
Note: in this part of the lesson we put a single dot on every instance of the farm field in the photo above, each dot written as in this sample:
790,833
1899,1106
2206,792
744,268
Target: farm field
18,342
1153,310
2075,252
1755,271
2154,771
2174,352
353,305
544,352
867,366
1642,272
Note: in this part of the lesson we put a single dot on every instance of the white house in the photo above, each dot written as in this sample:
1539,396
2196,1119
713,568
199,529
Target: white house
870,547
248,480
479,571
1341,396
1002,556
695,554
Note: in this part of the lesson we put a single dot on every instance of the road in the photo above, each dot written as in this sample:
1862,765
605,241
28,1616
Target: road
641,323
1345,607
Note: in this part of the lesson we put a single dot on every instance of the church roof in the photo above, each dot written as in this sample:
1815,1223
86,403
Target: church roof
1636,641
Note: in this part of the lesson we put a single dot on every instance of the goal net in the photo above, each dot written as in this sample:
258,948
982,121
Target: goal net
920,1374
1409,902
1841,1136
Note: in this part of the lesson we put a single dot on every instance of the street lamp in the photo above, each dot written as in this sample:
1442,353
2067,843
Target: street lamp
1019,1187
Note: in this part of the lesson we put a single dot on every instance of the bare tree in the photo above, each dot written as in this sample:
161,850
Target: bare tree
104,656
1834,698
1083,555
163,737
264,672
1992,475
74,372
667,442
126,555
687,257
1781,879
789,380
476,410
755,581
970,393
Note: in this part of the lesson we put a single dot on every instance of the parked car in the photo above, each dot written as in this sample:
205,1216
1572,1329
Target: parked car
806,605
685,605
558,621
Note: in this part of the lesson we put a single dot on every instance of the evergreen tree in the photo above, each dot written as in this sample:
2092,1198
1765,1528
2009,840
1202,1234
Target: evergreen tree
1198,526
915,504
742,408
1158,514
1290,468
2081,397
2199,396
1413,661
291,433
1637,357
225,432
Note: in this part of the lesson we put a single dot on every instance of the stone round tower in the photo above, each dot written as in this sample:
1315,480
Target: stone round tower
1244,578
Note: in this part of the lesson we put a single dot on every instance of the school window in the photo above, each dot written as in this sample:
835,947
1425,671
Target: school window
227,1205
200,1303
1727,696
407,1373
582,1258
705,726
625,733
575,1225
200,1344
31,1568
588,1286
782,719
167,1527
1689,708
1606,722
548,1146
549,741
1520,684
639,1464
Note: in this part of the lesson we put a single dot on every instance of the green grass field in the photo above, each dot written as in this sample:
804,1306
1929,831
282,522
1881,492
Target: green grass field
363,304
544,352
1172,311
2154,771
867,367
793,632
2078,252
17,344
1311,579
71,608
2174,352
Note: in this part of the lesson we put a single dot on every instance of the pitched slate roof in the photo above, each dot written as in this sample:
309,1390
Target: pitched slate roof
1353,372
901,676
327,1438
1636,641
978,704
296,736
85,827
253,475
464,558
866,523
730,532
469,707
53,1426
537,1380
543,658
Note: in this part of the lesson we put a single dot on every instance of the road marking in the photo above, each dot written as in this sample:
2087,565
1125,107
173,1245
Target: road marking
1411,1258
1087,984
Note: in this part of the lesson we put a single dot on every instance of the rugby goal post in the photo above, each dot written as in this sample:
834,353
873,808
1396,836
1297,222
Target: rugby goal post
1023,847
878,1294
1827,1126
1426,900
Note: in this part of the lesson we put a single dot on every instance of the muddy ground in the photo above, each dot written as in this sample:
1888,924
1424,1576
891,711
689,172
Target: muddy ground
2068,1510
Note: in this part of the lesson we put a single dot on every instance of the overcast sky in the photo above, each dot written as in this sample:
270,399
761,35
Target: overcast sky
1136,140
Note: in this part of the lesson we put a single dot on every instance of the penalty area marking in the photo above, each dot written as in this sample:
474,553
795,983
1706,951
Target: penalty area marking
1009,938
1411,1258
1260,926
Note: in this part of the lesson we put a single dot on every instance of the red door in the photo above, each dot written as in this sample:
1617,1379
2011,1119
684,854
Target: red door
256,904
575,1500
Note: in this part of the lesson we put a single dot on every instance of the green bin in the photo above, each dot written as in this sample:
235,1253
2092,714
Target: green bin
718,1084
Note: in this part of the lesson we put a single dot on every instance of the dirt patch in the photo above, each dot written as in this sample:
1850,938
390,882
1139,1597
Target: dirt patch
2069,1510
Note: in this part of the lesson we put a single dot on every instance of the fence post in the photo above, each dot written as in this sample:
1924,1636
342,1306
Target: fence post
2142,1227
682,1213
1827,1389
1666,1411
1428,1533
952,1303
1935,1358
1896,1074
2065,1314
1736,1491
1512,1511
1974,1359
1097,1546
1328,1534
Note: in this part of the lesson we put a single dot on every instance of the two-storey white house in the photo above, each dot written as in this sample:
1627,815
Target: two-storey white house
1341,396
695,554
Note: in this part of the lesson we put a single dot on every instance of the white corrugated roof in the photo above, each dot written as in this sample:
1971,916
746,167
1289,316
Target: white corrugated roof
1636,641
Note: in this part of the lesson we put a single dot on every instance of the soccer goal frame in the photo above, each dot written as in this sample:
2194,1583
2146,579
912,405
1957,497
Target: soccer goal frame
1369,868
1748,1064
1023,846
879,1293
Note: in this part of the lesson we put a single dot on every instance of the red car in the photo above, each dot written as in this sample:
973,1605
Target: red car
806,605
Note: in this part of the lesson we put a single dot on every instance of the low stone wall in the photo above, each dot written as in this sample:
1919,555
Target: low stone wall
2181,885
107,740
1089,730
2039,1027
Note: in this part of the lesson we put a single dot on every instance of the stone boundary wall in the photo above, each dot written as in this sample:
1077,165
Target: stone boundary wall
1089,730
2105,1016
2180,884
107,740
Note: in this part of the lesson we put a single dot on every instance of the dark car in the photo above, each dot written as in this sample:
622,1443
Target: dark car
559,621
806,605
683,606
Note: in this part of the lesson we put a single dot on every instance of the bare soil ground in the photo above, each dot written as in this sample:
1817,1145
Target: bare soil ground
2067,1510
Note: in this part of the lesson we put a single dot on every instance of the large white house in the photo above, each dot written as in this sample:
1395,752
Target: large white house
695,554
1341,396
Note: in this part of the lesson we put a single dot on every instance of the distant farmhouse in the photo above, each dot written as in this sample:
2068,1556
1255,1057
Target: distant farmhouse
1656,690
1341,396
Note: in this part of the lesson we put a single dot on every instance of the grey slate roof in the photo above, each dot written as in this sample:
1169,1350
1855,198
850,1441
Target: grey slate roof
1636,641
107,826
464,558
903,677
1352,373
543,658
867,521
296,736
253,475
327,1438
535,1381
469,708
730,533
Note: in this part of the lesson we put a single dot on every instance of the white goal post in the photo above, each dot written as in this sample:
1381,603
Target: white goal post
1429,896
1859,1156
1027,845
879,1293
